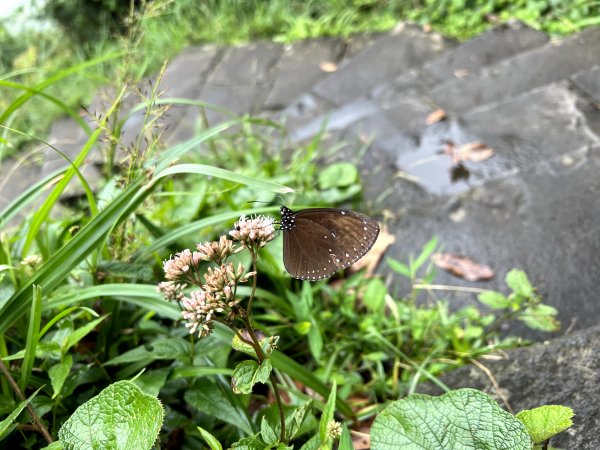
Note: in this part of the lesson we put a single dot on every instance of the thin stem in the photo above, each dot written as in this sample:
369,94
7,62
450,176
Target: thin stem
38,424
259,351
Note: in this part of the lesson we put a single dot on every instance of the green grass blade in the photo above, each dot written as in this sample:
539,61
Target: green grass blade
194,227
19,101
33,334
27,197
217,172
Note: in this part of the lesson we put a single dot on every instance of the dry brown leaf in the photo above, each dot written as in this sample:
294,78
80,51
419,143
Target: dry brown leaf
462,267
373,256
328,66
436,116
461,73
361,440
472,151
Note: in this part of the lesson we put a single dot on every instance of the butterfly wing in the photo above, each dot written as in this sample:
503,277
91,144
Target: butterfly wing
325,240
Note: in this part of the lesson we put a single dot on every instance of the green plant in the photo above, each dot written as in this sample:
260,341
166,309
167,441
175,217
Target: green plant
464,418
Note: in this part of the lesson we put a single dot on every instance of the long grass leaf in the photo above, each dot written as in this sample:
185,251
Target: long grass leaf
196,226
33,333
44,211
19,101
217,172
27,197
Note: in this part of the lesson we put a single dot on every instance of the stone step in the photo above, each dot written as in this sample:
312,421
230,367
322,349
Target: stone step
393,93
555,61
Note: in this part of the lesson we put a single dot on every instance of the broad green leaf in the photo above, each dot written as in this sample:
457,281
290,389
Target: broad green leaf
6,423
248,373
314,443
217,400
267,433
164,348
152,381
80,333
546,421
249,443
58,373
461,419
345,440
119,417
315,340
296,420
338,175
328,412
517,280
541,317
212,441
374,296
494,300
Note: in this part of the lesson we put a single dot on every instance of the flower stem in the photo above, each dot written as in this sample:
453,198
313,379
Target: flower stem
256,344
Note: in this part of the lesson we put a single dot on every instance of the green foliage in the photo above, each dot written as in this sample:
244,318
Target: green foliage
461,419
119,417
546,421
99,338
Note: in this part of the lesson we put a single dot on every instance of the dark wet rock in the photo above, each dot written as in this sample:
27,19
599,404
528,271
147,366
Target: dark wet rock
564,371
542,220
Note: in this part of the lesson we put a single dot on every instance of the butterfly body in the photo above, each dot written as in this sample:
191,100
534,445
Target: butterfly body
318,242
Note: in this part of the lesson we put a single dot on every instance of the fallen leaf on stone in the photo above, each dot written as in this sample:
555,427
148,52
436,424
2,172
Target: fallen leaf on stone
471,151
360,439
426,28
328,66
462,267
436,116
372,258
461,73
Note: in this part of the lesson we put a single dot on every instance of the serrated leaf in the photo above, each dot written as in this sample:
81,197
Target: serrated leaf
212,441
546,421
518,281
494,300
338,175
267,433
218,401
249,443
328,412
58,373
541,317
119,417
461,419
297,419
248,373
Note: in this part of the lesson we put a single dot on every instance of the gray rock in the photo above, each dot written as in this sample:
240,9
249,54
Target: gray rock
552,62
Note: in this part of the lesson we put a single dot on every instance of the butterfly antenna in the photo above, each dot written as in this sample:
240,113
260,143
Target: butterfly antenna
266,203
